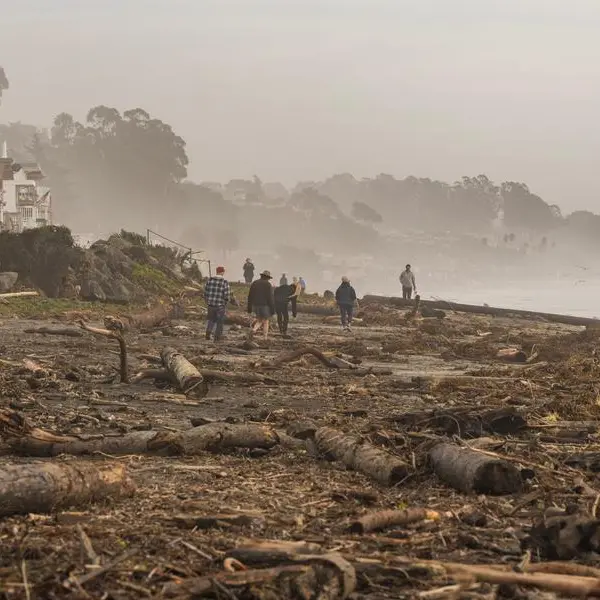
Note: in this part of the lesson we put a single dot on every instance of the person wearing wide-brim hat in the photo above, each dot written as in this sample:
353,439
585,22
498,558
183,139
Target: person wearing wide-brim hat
261,302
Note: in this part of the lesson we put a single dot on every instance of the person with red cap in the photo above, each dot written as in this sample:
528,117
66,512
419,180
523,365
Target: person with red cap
217,294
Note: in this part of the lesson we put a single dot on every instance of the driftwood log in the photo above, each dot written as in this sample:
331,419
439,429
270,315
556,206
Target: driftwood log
115,335
564,536
42,487
68,332
465,421
209,376
181,370
27,294
469,471
376,521
25,440
573,586
236,318
482,310
323,576
360,456
156,316
332,362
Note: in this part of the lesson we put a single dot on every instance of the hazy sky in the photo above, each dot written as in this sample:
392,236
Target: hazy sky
294,90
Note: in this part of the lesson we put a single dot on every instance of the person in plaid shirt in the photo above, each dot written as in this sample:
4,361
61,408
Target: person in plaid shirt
217,294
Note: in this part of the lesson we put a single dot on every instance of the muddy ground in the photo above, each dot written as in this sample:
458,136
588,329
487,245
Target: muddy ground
292,493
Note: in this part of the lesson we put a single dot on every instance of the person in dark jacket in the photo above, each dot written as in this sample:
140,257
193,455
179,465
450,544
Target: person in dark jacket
295,287
283,295
248,271
261,301
345,296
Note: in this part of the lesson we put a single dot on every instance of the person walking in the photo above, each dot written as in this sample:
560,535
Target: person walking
283,279
217,294
407,281
248,271
295,292
282,296
261,301
345,296
302,285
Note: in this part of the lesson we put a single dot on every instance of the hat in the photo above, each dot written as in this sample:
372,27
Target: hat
266,274
220,269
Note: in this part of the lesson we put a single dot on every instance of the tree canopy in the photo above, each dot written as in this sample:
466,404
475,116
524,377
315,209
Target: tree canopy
4,85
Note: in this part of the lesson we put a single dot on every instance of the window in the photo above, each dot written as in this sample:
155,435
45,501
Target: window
27,212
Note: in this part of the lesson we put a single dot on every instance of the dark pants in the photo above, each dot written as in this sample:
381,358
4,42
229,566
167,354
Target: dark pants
215,319
406,293
248,278
283,316
294,302
346,311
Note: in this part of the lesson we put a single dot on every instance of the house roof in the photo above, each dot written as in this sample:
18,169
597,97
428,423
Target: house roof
32,170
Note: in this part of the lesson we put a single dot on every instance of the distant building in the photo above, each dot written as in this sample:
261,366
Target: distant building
24,202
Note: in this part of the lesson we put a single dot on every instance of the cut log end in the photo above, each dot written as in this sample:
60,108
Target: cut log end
497,478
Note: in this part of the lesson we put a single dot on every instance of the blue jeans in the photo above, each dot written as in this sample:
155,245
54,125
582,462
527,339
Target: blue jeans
346,311
215,319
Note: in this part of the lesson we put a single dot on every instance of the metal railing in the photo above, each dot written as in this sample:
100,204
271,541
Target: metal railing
189,252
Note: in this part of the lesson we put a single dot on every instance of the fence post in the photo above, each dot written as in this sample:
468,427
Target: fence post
209,269
147,237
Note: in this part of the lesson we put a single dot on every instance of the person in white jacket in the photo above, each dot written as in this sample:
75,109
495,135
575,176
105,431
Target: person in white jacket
407,281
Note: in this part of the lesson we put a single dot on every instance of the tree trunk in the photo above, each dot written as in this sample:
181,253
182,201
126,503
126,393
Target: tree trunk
469,471
181,369
223,436
214,437
483,310
42,487
361,456
465,422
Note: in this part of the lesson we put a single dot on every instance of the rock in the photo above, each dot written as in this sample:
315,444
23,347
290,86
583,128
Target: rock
7,281
91,290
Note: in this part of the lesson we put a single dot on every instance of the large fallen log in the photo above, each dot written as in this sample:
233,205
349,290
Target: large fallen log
42,487
469,471
181,370
482,310
360,456
26,440
465,421
317,309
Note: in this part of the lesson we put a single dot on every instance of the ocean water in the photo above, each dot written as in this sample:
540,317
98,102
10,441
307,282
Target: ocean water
569,297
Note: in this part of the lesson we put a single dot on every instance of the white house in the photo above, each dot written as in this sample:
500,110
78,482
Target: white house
24,202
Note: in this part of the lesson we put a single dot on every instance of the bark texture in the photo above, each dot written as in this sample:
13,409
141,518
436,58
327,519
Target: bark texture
469,471
42,487
361,456
181,369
